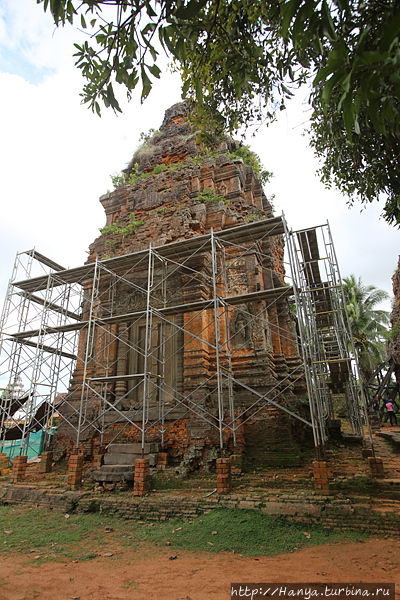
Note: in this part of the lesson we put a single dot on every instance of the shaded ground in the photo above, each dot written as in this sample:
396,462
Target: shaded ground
147,572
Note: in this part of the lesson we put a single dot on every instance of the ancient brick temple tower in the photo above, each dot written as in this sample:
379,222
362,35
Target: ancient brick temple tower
154,370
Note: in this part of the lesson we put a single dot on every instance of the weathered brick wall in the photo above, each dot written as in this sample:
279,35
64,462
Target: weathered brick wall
328,512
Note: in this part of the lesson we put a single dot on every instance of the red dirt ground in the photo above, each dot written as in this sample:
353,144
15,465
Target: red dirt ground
148,573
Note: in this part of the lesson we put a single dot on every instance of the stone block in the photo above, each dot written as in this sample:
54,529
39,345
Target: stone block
135,448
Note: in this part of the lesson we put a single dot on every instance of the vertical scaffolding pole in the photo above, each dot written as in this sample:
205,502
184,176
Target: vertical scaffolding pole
303,343
229,352
354,353
147,346
163,354
216,303
89,336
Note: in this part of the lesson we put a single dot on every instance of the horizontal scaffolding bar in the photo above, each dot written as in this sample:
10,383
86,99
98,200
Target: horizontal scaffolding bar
280,292
43,347
249,232
44,260
51,305
123,377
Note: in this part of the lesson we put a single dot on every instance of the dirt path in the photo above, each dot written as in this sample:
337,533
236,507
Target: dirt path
149,573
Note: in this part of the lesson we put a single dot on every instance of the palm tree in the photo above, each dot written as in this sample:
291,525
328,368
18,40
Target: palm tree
369,325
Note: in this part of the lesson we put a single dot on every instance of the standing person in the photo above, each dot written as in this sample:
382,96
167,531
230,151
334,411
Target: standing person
390,411
375,407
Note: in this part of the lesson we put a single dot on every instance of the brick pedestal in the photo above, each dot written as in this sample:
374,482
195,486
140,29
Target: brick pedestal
366,453
224,481
162,460
4,470
321,477
75,469
376,466
46,462
19,468
141,484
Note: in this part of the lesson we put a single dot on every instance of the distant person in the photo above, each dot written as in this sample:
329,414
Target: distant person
384,412
375,407
390,411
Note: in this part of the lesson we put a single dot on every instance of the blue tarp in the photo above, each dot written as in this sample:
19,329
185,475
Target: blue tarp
12,448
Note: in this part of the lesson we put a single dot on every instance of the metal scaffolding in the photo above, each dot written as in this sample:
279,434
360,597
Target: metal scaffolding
136,316
327,344
35,369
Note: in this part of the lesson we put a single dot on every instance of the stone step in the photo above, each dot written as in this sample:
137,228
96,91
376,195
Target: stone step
128,459
135,448
116,468
114,473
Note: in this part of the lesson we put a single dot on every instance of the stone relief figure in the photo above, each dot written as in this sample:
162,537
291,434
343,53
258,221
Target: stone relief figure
241,330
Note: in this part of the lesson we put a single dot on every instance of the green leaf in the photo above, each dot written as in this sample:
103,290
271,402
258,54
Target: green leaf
154,70
327,23
146,84
348,115
199,90
83,22
288,10
55,10
329,86
190,10
391,32
185,87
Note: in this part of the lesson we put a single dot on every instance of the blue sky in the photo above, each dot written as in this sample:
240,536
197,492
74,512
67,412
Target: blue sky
56,157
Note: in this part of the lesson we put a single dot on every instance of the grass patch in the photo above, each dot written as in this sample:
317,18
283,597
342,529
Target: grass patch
249,533
82,536
50,533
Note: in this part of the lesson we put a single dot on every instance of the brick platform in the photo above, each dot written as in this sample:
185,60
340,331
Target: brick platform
19,468
224,480
141,484
321,477
75,469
